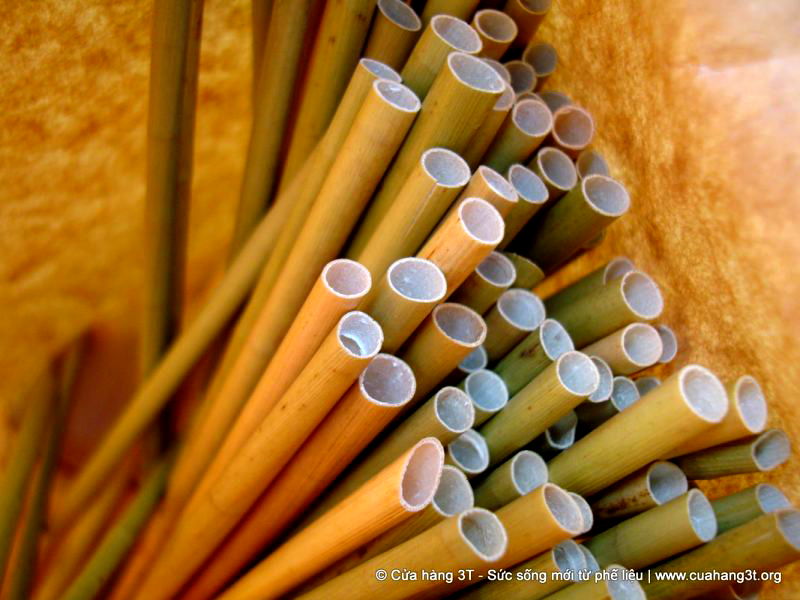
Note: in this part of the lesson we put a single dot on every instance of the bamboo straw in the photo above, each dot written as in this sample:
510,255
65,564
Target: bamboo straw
757,454
528,274
606,386
613,269
489,185
488,393
528,15
404,297
616,583
591,162
687,403
586,512
288,24
543,58
575,219
461,97
496,29
259,22
647,384
502,71
401,489
532,195
203,523
533,355
443,34
630,349
462,9
519,475
382,390
764,544
491,278
523,77
748,504
647,488
591,562
337,47
393,33
430,189
483,137
438,345
556,170
471,539
554,99
515,315
522,132
633,297
747,416
558,437
469,453
472,362
669,344
551,395
573,129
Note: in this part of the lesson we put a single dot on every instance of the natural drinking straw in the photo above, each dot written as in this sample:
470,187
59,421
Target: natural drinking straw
488,184
519,475
614,586
462,9
469,453
591,162
647,384
554,99
613,269
669,343
493,276
500,70
556,170
559,436
393,34
586,512
516,314
543,58
748,504
623,395
474,361
523,131
591,562
573,129
528,15
606,385
488,393
259,15
528,274
630,349
756,454
647,488
496,29
532,194
484,136
523,77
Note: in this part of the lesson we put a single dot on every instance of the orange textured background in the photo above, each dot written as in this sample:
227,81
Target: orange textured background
696,107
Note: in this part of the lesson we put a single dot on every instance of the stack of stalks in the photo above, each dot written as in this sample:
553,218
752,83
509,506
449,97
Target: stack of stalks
381,387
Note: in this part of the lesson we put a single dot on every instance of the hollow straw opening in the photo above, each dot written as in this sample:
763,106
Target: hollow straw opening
498,183
568,558
606,382
577,373
484,532
542,57
506,99
563,509
641,344
770,498
536,6
647,384
771,450
641,295
481,221
532,117
474,361
380,70
454,494
555,100
502,71
474,72
623,589
555,340
495,25
573,126
421,474
360,334
460,324
665,481
397,95
497,269
346,278
561,434
456,33
523,77
528,471
591,162
591,562
750,402
401,14
388,381
789,526
487,390
586,511
669,344
605,195
528,185
623,393
470,452
701,516
617,267
417,279
454,409
523,309
557,168
445,167
703,393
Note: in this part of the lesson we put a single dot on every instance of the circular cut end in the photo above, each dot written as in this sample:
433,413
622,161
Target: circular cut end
669,344
703,393
498,184
647,384
521,308
533,118
474,72
591,162
481,221
591,562
445,167
771,450
604,388
401,14
398,95
623,589
542,57
484,533
495,25
454,494
461,324
555,100
568,558
770,498
623,393
387,381
701,515
474,361
641,295
497,269
528,471
573,127
359,334
454,409
523,77
346,278
586,511
616,268
417,280
555,340
749,401
789,526
380,70
487,390
556,168
528,185
577,373
503,72
641,344
665,482
456,33
606,196
561,435
506,99
538,7
470,452
563,509
421,474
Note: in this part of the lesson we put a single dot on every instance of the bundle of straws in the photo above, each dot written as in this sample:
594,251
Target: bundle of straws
376,404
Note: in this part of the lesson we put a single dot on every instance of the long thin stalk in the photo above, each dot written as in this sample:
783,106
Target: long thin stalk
488,393
544,60
519,475
757,454
613,269
483,137
496,29
493,276
394,32
748,504
514,316
532,194
528,274
623,395
469,453
649,487
630,349
521,134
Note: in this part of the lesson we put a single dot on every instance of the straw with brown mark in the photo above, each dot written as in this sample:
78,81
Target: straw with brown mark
532,194
591,162
488,393
523,131
519,475
573,129
630,349
556,170
394,32
647,488
496,29
543,58
748,504
490,279
757,454
516,314
528,274
613,269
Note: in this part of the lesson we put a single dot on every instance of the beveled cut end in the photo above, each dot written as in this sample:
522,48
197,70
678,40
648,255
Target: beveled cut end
498,184
701,516
474,361
528,471
617,267
421,474
461,324
523,77
474,72
484,533
563,509
586,511
454,494
387,381
359,334
456,33
528,185
573,127
789,526
604,387
669,344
